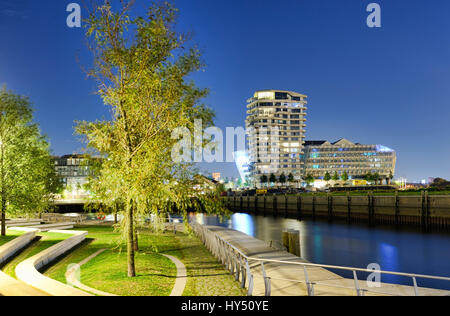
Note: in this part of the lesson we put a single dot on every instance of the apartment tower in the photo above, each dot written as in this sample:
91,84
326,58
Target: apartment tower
275,123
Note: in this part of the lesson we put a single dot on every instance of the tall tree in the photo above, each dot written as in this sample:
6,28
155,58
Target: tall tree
309,179
368,177
282,179
291,178
264,179
344,176
27,173
335,176
376,178
141,65
272,178
327,177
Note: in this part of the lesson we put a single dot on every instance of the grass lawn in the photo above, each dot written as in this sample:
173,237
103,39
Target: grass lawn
155,274
46,240
10,235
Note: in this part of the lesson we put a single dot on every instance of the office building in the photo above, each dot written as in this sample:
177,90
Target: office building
344,156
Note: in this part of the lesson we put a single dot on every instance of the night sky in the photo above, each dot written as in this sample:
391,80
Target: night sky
387,86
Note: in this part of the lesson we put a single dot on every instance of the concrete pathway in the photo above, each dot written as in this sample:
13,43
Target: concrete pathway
180,283
73,276
289,280
12,287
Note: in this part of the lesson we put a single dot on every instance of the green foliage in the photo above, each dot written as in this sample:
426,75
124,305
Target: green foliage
291,178
309,179
141,65
344,176
327,177
272,178
369,177
28,178
264,179
282,178
440,184
335,177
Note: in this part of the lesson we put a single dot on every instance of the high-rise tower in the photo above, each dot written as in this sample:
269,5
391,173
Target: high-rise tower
275,123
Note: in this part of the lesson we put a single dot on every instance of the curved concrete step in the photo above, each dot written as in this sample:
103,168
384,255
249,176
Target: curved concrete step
8,285
27,271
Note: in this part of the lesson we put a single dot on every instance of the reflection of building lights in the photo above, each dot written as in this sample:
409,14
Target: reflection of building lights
243,223
242,163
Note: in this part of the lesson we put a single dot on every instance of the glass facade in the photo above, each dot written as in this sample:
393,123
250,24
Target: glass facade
344,156
73,170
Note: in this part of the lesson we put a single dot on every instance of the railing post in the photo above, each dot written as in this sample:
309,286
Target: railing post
250,279
267,281
232,261
309,285
416,289
243,275
359,292
237,272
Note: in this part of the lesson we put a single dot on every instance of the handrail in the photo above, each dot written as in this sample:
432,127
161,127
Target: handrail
359,291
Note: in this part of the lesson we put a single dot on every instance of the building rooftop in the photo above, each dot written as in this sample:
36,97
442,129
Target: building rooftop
292,93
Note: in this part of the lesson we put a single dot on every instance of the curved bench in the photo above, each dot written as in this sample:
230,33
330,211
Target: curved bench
27,271
8,285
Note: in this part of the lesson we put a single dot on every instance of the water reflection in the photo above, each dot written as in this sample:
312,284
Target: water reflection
355,246
243,223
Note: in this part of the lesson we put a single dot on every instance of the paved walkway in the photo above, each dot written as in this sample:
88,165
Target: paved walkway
73,276
180,283
289,280
12,287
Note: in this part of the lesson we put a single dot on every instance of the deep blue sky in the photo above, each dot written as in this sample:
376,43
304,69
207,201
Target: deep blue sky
385,86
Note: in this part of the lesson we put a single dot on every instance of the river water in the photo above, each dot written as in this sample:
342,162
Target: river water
400,250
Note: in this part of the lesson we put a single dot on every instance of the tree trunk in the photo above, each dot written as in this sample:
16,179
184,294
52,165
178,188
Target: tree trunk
136,239
3,219
3,211
130,242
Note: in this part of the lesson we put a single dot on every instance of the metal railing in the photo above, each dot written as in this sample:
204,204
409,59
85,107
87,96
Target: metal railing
239,265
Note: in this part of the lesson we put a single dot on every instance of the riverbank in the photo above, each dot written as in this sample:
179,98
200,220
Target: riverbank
423,211
291,279
404,248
